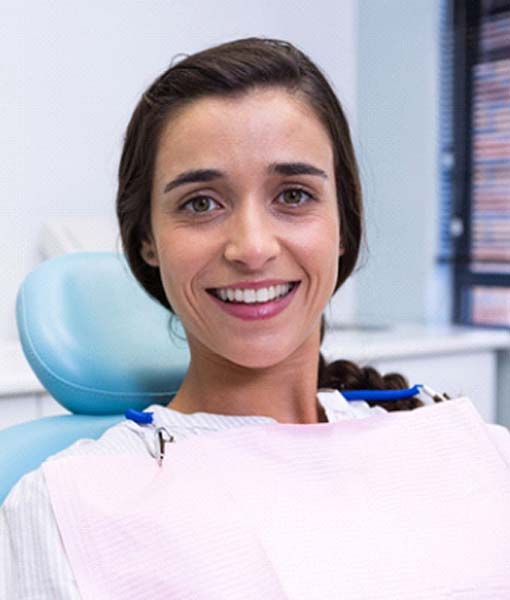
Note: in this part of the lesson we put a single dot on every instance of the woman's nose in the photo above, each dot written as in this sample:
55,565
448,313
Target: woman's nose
252,239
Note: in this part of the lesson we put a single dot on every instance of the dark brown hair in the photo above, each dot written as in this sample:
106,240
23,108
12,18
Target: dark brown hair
233,69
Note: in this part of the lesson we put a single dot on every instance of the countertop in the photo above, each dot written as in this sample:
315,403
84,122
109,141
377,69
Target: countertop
405,340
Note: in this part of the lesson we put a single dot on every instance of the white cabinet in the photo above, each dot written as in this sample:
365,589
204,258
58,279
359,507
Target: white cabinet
22,408
471,374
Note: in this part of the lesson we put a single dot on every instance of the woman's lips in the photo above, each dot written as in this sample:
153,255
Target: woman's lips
257,310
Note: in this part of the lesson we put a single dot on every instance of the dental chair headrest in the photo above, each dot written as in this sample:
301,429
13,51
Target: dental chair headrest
94,338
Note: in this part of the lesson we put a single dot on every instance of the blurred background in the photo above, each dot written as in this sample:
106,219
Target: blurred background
426,88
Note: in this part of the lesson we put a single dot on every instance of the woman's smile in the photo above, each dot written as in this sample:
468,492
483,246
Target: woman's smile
254,303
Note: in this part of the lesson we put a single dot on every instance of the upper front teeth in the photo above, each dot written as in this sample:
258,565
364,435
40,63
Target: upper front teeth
250,296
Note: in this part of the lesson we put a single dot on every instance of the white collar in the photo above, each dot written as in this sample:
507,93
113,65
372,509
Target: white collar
335,406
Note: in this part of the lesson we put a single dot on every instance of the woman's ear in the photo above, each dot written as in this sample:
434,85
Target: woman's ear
341,250
149,253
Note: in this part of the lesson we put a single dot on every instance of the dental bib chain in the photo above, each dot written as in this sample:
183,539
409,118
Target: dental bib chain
161,434
162,437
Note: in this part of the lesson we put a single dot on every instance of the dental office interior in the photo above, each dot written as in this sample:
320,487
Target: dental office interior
431,294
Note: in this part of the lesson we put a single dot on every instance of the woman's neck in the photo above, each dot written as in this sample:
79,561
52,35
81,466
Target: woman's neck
286,392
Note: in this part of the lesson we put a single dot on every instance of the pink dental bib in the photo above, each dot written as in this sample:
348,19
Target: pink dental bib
409,505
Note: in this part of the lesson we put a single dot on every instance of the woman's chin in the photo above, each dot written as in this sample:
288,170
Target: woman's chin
256,351
253,357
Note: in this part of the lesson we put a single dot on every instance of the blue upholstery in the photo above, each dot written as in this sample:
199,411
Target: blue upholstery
98,344
96,341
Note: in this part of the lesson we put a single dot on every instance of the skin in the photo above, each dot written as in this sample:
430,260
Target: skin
251,230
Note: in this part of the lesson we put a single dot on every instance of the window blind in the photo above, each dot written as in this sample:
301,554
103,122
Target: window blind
475,236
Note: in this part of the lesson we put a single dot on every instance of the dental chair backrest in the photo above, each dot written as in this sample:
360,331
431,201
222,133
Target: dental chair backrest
98,344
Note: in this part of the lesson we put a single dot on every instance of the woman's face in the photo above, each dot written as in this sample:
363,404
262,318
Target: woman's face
244,199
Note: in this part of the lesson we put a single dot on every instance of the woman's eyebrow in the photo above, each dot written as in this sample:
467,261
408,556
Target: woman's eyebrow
201,175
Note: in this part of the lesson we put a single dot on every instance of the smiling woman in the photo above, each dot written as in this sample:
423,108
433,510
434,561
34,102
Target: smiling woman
240,210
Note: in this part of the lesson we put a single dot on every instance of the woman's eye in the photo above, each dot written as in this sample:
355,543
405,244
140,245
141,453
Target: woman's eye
205,204
295,197
199,204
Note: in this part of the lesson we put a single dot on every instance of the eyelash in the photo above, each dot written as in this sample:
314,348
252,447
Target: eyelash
293,189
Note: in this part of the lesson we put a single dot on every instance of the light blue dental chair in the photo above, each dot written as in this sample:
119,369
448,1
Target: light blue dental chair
99,345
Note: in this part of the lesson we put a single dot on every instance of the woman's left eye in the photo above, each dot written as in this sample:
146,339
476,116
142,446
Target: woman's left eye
295,197
199,204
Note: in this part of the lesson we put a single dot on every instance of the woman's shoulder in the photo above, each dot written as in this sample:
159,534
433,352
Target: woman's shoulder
125,437
33,563
31,550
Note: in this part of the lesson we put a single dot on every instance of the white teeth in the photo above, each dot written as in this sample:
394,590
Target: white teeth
251,296
262,295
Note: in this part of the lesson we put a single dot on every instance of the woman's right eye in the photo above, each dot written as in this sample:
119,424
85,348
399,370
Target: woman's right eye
198,204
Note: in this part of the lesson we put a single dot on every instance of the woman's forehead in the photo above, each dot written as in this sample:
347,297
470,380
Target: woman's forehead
262,126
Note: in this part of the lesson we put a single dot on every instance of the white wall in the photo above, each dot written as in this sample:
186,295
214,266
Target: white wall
398,78
73,72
